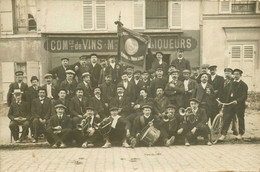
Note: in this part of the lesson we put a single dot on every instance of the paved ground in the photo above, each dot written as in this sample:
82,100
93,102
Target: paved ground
240,157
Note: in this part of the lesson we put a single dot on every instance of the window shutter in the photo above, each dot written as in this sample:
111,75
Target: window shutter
225,7
257,9
236,51
32,69
6,17
7,77
175,14
88,22
139,14
100,14
248,51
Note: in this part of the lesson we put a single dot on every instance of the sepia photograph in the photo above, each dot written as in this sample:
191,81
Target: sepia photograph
129,85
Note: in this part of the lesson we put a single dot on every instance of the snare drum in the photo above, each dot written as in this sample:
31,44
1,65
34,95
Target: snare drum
150,136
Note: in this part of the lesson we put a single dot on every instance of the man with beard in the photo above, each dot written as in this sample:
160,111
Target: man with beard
108,89
69,84
114,69
180,62
175,90
19,84
59,73
142,100
94,69
189,86
81,67
160,101
128,86
204,70
86,85
51,89
85,133
159,81
98,103
160,63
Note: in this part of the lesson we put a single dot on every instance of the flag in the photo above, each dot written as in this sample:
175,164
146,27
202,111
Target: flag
133,47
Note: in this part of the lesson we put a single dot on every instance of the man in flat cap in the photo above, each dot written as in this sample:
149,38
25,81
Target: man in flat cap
18,84
86,85
19,114
160,63
180,62
59,128
175,90
41,113
114,69
85,133
195,71
159,81
81,67
189,86
32,91
94,69
120,130
50,87
69,83
59,73
195,124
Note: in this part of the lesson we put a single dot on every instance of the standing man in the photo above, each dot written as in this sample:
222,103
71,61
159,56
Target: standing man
137,83
145,82
81,67
41,112
32,91
51,89
86,85
114,69
19,84
94,69
159,81
160,63
195,73
160,101
128,86
59,73
215,80
103,63
204,69
108,89
69,84
180,62
98,103
189,86
19,114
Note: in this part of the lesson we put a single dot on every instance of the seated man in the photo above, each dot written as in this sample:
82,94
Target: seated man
195,124
85,133
160,101
19,115
41,112
98,103
59,131
120,129
141,123
169,125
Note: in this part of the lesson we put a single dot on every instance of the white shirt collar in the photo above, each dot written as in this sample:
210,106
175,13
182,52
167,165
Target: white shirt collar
203,85
147,116
213,77
97,97
113,65
237,80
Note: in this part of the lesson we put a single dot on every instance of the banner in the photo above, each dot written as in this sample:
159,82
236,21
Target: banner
133,47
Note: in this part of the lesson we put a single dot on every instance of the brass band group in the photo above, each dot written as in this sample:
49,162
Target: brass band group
102,102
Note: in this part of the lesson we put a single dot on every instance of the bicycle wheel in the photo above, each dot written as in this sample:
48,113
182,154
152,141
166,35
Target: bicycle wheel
215,131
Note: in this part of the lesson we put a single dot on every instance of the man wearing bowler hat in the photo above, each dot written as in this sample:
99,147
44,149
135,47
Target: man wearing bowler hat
19,84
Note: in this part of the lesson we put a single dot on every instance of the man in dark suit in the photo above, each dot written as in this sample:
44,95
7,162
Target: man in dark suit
69,84
204,70
159,81
215,80
81,67
145,82
137,83
160,101
120,130
195,125
85,133
114,69
180,62
32,91
195,71
98,103
78,106
59,73
61,100
86,85
175,90
19,114
189,86
19,84
59,128
41,112
108,89
128,86
94,69
160,63
51,89
103,63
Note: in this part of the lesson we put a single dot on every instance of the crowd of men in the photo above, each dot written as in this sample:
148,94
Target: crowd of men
77,99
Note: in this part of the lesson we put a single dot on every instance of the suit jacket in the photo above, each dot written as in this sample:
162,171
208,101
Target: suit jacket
13,86
115,73
81,69
181,65
65,122
161,103
108,91
175,93
146,85
188,94
122,123
39,110
69,87
200,94
31,94
137,88
88,90
217,83
164,66
102,76
200,119
124,104
95,72
77,107
157,82
54,90
169,128
65,103
240,91
226,93
59,73
19,110
129,91
99,106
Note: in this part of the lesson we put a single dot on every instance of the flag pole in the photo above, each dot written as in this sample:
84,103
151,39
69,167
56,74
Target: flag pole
119,25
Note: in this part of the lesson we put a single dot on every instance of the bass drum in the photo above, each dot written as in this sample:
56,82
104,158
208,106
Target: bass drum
150,135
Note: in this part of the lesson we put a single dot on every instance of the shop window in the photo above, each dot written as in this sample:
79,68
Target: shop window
25,16
238,7
94,14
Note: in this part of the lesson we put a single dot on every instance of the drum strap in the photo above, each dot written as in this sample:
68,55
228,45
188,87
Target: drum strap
142,121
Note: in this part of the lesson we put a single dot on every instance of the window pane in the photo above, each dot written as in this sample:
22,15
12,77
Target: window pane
156,14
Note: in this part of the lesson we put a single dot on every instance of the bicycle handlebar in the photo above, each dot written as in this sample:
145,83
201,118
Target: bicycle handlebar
224,104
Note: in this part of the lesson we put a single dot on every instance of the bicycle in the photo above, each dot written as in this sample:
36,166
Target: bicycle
217,124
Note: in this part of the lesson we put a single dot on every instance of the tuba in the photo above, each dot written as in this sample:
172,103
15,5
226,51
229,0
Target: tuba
188,115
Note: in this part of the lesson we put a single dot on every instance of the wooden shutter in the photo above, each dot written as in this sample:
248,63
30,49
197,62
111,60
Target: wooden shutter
32,69
236,51
6,17
139,14
8,77
225,7
88,15
257,9
175,14
100,15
